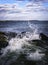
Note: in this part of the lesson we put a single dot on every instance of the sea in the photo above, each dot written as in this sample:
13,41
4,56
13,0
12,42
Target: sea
22,50
28,26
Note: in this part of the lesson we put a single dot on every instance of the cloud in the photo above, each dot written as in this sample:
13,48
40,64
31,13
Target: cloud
38,7
30,11
39,0
34,0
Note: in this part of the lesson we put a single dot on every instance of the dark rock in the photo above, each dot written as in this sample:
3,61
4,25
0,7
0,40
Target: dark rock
23,32
2,33
43,37
44,40
11,35
3,40
0,53
3,44
20,35
40,43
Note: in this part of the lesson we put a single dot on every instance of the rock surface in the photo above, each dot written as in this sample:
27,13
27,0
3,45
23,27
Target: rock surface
43,37
3,40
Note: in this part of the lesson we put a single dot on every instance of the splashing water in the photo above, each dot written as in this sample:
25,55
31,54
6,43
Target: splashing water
22,45
35,56
33,27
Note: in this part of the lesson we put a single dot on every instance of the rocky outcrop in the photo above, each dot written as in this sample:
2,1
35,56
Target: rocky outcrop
43,37
42,43
11,35
3,40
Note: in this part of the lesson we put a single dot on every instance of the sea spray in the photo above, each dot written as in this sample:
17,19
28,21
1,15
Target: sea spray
21,45
16,44
33,27
35,56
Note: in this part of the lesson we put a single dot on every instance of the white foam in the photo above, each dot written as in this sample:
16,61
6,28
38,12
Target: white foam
16,45
33,27
35,56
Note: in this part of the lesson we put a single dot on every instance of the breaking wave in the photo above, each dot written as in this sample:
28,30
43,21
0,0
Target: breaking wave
22,44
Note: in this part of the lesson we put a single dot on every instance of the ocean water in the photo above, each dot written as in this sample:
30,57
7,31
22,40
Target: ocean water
28,26
22,51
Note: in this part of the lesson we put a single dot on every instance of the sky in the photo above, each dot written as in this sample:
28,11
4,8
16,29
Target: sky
23,9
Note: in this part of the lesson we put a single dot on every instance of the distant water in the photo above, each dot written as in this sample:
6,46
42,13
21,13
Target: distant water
28,26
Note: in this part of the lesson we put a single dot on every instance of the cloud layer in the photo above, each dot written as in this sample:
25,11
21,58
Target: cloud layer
30,11
34,0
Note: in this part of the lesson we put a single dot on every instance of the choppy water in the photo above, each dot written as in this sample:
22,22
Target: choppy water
19,26
21,51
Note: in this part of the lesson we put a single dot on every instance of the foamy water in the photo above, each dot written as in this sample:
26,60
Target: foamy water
22,45
35,56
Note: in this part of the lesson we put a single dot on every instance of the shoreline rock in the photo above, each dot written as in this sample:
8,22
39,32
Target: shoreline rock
43,37
3,40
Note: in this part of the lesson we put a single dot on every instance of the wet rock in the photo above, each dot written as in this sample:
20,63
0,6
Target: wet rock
43,37
11,35
22,34
38,43
2,33
43,42
3,44
23,61
19,35
3,40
